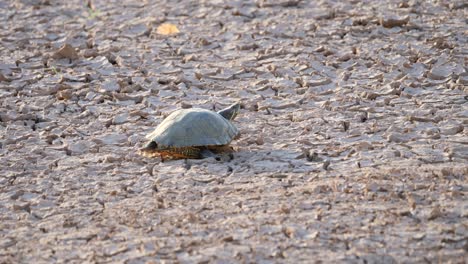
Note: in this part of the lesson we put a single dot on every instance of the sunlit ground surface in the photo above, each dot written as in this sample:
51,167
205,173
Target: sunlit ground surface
353,122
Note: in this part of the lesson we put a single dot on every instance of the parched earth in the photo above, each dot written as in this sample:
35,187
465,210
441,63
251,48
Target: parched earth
354,144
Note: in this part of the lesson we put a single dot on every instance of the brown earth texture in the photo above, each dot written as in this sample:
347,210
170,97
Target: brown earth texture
353,144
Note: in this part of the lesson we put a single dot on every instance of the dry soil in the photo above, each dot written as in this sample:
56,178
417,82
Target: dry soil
354,144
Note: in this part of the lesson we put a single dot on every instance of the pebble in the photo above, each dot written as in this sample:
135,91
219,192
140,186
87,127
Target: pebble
109,86
78,148
120,119
66,51
440,72
397,138
393,21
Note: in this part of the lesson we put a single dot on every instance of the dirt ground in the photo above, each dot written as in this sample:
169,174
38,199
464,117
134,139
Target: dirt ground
354,144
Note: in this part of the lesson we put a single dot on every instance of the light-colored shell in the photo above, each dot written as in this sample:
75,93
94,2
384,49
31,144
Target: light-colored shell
193,127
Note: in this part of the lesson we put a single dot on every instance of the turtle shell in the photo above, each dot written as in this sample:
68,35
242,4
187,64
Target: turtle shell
193,127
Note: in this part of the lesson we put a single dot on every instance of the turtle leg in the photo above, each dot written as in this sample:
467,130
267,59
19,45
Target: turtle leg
223,152
222,149
206,153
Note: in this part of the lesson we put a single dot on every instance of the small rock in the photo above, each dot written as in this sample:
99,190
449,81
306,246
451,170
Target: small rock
64,95
389,22
345,76
112,158
463,80
397,138
369,95
321,189
140,29
372,187
17,194
259,140
109,86
185,105
452,130
363,117
435,213
22,207
345,125
3,78
411,199
89,53
66,51
312,156
326,164
376,258
440,72
364,146
120,119
131,88
458,152
139,113
419,236
290,232
403,4
314,83
345,57
78,148
126,97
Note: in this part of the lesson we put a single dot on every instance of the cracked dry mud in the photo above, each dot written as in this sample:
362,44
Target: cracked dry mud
353,121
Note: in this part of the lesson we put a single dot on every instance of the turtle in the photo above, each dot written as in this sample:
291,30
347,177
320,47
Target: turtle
193,133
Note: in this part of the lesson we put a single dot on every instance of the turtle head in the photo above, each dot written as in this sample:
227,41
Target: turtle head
231,112
149,147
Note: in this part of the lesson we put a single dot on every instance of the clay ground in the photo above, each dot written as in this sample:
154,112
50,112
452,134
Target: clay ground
354,144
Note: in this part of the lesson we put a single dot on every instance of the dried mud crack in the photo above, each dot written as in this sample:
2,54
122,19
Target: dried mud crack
353,123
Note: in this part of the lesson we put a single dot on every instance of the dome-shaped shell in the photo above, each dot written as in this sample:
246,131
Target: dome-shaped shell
193,127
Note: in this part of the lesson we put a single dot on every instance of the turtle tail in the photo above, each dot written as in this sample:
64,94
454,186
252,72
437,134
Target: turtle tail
231,112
